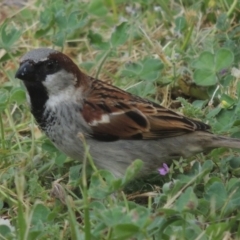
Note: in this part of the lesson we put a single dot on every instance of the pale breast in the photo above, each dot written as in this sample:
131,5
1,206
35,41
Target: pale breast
66,128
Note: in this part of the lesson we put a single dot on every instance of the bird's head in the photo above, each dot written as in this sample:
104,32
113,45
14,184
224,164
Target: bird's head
50,68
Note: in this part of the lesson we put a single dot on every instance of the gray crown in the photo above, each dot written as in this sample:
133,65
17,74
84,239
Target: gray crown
37,55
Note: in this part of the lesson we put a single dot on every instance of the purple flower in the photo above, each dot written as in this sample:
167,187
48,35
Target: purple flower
164,169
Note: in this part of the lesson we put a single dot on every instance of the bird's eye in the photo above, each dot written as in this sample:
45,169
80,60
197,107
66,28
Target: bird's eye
50,66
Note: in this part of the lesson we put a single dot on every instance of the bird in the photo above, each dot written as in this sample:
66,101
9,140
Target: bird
75,110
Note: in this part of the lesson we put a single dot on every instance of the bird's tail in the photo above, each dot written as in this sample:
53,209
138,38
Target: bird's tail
218,141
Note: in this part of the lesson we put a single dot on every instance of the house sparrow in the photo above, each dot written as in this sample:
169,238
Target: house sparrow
118,127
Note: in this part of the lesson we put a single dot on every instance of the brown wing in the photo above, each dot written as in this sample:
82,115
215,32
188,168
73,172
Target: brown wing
115,114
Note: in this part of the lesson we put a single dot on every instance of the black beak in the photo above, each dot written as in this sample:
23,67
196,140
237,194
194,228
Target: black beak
25,71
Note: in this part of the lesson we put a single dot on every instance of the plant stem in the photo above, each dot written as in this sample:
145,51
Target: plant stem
2,132
102,62
87,228
14,129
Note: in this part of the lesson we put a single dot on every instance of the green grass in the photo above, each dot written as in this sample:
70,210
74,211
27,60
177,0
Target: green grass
182,54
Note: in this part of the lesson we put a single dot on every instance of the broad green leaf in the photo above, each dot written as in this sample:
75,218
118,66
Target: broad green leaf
96,7
40,213
235,162
132,69
97,41
9,35
4,231
120,35
46,18
214,112
116,184
204,77
226,117
17,95
173,187
113,216
42,32
48,146
200,103
74,20
132,171
7,56
223,22
233,182
204,61
233,201
74,172
187,200
216,193
100,188
216,230
227,101
151,69
61,20
60,159
27,14
203,206
87,65
59,38
207,165
98,205
180,23
212,180
125,231
94,38
193,231
223,59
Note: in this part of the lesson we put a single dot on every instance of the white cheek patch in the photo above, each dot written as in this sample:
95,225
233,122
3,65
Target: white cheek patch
61,89
104,119
59,81
65,96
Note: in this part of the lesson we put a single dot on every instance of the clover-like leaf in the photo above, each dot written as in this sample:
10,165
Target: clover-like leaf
125,230
223,59
132,171
97,41
96,7
9,35
187,200
100,188
180,23
40,213
74,172
132,69
204,77
227,101
5,230
120,35
217,193
17,95
151,69
204,61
